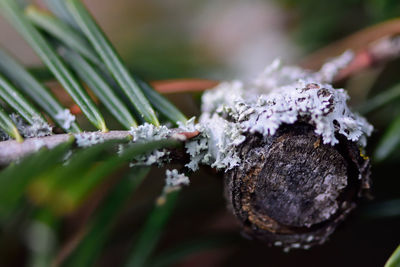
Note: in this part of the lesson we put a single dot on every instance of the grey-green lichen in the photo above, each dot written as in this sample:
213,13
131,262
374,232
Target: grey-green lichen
286,95
149,132
280,95
38,128
66,118
173,182
88,139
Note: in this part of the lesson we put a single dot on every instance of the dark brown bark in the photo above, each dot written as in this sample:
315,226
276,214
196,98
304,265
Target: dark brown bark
291,189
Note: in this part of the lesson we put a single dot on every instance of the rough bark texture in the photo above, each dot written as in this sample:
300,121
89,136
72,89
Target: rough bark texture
291,190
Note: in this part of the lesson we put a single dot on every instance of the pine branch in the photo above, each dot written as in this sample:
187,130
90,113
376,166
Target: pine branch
266,148
12,150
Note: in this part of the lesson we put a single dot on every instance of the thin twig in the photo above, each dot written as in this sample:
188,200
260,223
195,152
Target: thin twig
183,85
376,53
372,46
356,42
70,245
12,150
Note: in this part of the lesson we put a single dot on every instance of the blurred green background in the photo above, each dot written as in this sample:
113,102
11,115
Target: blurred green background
227,39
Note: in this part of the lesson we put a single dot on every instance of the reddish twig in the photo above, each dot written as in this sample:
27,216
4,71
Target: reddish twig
69,246
190,135
357,42
183,85
376,53
163,87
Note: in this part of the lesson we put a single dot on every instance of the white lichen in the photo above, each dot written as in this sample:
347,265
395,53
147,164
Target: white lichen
280,95
286,95
88,139
223,136
215,145
331,68
66,118
38,128
149,132
173,182
4,136
197,148
188,126
155,157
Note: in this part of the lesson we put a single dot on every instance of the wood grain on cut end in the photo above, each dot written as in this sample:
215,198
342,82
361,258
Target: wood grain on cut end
291,189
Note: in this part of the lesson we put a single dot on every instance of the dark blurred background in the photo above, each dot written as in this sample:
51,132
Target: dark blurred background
227,39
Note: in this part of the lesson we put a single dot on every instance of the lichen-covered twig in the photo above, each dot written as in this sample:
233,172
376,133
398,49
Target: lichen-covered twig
12,150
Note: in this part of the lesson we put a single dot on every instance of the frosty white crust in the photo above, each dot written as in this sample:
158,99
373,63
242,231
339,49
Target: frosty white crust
280,95
66,118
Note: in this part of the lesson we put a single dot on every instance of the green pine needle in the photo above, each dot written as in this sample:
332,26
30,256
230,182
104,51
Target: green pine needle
71,38
100,88
32,87
16,17
394,260
151,232
15,178
178,253
389,142
59,8
8,126
55,188
10,95
101,224
64,188
380,100
161,104
63,32
111,59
